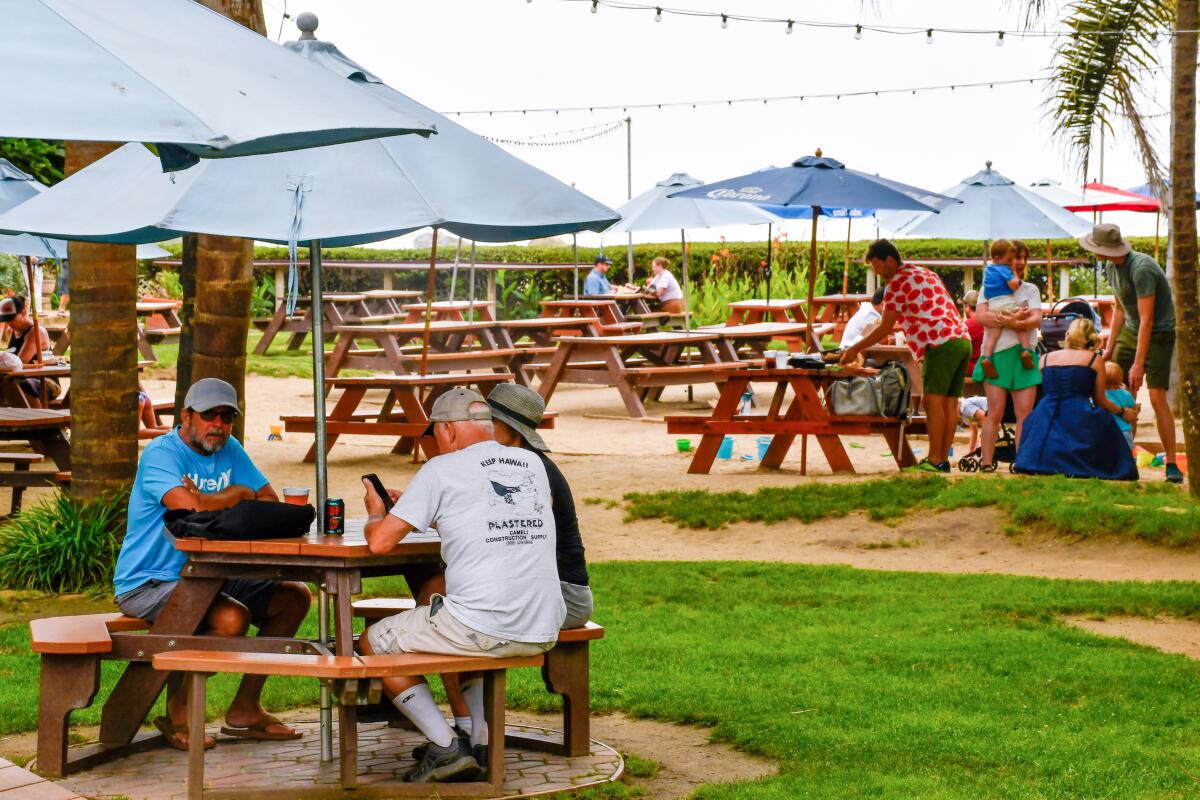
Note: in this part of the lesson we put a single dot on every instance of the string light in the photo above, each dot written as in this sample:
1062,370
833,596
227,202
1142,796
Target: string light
624,108
858,32
999,38
899,30
658,15
554,139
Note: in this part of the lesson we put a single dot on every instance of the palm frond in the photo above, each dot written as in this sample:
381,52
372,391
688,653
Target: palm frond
1142,136
1094,75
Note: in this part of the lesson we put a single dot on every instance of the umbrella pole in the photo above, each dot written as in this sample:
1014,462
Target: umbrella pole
812,282
33,310
1157,219
687,297
471,294
454,272
318,333
768,275
846,259
575,261
430,288
1049,272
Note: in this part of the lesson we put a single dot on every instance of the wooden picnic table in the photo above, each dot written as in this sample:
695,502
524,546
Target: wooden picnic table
447,350
337,563
44,429
807,413
14,395
454,310
837,309
755,336
605,361
340,308
609,319
405,411
169,310
783,311
386,302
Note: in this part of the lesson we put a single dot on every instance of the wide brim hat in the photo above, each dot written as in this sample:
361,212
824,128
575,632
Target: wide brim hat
1105,240
520,409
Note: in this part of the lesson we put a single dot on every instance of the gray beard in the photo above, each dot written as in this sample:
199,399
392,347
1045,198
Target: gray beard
204,444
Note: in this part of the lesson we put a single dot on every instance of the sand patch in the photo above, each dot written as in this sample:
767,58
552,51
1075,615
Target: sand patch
1169,634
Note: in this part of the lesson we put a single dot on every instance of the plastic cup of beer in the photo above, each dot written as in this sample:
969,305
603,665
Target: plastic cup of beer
296,495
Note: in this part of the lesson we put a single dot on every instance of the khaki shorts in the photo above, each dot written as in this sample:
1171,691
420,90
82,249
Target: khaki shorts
432,629
1158,358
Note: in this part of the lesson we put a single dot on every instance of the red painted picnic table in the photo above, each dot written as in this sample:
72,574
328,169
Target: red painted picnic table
808,413
837,309
341,308
610,319
397,348
783,310
453,310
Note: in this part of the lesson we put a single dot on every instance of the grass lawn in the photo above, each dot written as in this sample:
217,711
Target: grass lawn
863,684
277,362
1157,512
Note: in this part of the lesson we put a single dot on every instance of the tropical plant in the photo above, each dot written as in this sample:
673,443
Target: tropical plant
518,294
41,159
63,545
262,302
169,283
1098,73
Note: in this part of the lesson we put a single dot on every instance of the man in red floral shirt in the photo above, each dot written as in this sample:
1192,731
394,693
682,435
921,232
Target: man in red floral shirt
917,301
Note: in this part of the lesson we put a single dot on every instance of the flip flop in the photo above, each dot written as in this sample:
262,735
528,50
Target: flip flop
259,731
171,734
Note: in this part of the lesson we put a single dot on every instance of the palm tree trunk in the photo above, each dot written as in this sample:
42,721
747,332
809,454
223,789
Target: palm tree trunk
104,377
216,310
1183,229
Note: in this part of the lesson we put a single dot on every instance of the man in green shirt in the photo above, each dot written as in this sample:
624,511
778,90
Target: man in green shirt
1142,336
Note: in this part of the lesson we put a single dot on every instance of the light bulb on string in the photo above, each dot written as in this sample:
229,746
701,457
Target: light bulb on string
595,5
858,32
999,38
929,36
789,26
658,14
724,21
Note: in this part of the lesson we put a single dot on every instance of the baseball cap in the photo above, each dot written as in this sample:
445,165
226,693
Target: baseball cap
455,406
520,409
209,393
602,259
8,309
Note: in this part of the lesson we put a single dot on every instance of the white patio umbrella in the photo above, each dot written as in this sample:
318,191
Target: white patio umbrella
654,210
173,73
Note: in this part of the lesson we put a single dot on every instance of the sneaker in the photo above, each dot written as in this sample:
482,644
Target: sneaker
480,752
924,465
1026,359
989,369
1174,474
943,467
453,764
418,752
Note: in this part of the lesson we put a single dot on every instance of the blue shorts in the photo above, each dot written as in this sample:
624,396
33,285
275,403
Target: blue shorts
148,600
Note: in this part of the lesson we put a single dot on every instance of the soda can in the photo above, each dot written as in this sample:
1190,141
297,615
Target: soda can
335,517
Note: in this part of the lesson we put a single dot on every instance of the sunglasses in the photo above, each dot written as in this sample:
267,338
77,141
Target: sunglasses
209,416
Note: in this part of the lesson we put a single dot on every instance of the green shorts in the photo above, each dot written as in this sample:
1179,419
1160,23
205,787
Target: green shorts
1158,358
1010,374
944,367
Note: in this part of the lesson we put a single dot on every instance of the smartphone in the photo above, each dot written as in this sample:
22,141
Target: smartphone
377,484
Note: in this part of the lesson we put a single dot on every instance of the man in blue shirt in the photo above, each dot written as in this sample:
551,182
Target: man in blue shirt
597,282
200,466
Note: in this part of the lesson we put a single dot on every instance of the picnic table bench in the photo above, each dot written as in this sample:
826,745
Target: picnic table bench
168,310
447,350
72,649
405,411
340,308
454,310
387,302
608,319
807,414
606,361
44,429
837,309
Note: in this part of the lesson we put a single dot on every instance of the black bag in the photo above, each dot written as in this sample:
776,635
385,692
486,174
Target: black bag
1054,325
249,519
895,388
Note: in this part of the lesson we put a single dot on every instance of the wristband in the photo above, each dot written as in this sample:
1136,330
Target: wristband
376,518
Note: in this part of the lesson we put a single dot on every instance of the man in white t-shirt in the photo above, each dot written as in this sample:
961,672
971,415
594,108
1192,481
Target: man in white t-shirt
491,506
864,319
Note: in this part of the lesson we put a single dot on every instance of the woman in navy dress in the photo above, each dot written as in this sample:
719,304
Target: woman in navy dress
1072,431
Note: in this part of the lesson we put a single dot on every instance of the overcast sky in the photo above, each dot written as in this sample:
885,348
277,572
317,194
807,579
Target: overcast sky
488,54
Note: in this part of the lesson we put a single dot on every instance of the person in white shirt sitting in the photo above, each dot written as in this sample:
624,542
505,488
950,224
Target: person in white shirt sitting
664,286
866,318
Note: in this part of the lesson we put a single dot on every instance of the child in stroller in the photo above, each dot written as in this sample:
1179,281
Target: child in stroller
972,411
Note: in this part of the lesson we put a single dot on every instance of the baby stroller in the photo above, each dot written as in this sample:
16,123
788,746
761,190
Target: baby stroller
1054,325
1006,444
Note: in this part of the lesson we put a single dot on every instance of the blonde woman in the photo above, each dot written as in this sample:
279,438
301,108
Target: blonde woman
664,286
1072,431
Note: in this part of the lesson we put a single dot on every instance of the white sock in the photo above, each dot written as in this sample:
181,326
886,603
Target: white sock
472,692
417,704
464,723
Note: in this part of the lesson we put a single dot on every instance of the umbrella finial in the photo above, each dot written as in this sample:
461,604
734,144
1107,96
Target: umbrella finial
307,23
818,153
988,164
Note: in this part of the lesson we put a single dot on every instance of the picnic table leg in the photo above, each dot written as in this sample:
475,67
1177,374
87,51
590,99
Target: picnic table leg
898,442
706,451
343,633
64,341
67,683
54,445
298,336
814,409
554,372
195,776
347,404
782,442
337,357
144,345
416,411
272,329
494,682
139,686
616,372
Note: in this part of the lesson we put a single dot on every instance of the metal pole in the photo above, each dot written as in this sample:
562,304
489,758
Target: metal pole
575,259
768,273
318,332
454,272
846,259
471,299
430,288
687,301
812,285
629,190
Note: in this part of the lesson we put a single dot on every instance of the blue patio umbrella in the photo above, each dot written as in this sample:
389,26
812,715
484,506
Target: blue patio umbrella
655,210
1145,189
175,73
324,196
818,182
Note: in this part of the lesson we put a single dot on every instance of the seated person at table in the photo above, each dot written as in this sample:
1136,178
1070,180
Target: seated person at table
149,425
200,466
868,315
491,506
596,281
24,346
664,286
999,286
1119,395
